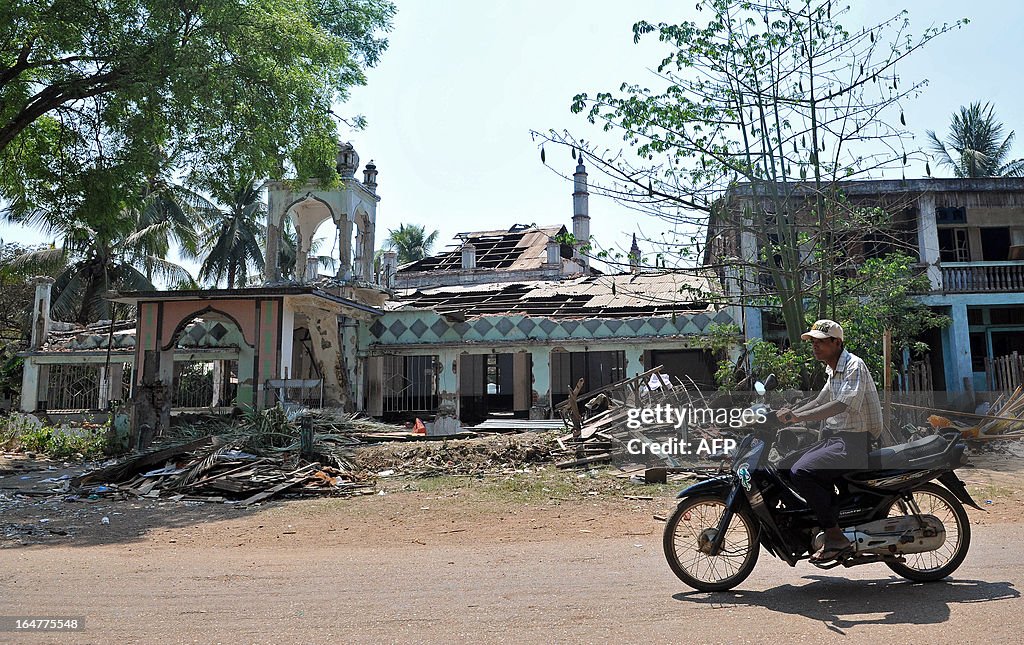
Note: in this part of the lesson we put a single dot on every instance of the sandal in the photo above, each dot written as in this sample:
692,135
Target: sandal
829,553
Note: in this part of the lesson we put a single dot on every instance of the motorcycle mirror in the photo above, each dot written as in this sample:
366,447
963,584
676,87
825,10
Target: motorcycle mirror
760,388
771,382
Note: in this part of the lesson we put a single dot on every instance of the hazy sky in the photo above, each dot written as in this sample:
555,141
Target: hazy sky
453,100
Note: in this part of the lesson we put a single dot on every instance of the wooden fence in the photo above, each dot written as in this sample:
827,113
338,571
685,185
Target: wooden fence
1004,373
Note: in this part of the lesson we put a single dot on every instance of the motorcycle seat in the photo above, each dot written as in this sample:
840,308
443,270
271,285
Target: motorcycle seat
917,453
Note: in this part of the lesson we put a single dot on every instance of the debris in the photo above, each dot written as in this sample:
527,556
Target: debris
105,520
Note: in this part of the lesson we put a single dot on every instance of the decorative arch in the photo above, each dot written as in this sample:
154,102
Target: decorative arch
184,321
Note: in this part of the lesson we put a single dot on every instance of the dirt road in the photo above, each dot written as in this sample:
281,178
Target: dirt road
473,563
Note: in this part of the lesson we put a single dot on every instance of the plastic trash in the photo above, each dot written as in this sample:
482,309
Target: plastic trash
105,520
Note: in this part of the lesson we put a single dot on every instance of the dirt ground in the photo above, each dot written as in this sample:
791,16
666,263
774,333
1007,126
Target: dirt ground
539,555
532,501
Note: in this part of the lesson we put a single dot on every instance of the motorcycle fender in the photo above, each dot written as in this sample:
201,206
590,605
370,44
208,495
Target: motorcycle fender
720,486
955,486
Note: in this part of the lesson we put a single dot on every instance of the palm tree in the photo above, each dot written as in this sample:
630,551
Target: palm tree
975,146
411,242
113,239
233,237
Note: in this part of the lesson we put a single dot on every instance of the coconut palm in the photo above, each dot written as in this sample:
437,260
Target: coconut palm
233,237
112,239
411,242
975,146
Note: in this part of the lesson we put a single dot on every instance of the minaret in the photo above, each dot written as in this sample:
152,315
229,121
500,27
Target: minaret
370,177
581,213
634,256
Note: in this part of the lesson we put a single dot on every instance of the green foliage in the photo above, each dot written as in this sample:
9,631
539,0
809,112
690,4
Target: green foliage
214,83
754,121
63,442
879,297
115,238
411,241
16,295
975,146
269,428
233,234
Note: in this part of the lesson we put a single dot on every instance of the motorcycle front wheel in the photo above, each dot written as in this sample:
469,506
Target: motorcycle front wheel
689,532
933,499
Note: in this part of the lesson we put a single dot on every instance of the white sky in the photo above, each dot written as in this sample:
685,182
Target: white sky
463,82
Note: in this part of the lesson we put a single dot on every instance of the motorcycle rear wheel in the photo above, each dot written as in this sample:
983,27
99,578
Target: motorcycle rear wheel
688,532
935,500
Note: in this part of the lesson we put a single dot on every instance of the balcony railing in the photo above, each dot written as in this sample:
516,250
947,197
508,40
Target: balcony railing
976,277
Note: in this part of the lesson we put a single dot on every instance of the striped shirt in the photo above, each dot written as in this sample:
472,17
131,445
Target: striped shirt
851,383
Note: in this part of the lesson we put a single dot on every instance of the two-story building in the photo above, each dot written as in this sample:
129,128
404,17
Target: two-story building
969,237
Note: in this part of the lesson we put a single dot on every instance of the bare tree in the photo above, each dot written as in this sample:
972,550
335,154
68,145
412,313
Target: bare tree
760,117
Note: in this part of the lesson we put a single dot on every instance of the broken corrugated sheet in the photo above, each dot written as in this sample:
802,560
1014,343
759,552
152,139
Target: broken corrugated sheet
650,293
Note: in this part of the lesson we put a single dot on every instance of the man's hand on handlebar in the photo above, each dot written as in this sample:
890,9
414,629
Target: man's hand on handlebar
786,416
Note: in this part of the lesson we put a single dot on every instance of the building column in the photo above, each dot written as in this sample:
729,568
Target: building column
345,249
928,239
957,354
634,361
447,419
275,224
540,359
30,377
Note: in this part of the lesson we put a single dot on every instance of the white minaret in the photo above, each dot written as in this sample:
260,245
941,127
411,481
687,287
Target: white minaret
581,213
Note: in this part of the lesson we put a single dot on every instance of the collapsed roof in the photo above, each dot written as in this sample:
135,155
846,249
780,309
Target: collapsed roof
606,296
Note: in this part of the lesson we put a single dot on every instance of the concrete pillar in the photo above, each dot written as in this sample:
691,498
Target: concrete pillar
30,375
287,340
447,419
522,382
275,219
246,396
390,269
33,377
166,378
928,239
468,256
634,360
218,383
41,312
540,359
366,252
345,250
958,363
553,252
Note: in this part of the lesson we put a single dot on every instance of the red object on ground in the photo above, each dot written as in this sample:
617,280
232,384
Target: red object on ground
419,428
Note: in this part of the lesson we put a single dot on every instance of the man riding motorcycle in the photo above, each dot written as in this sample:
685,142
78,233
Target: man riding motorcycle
850,408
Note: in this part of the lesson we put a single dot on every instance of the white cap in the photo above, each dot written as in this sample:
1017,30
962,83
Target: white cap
824,329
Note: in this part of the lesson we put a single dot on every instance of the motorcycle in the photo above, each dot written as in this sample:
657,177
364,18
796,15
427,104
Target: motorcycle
894,513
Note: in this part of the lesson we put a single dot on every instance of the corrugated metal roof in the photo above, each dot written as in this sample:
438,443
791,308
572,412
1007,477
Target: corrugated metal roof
607,295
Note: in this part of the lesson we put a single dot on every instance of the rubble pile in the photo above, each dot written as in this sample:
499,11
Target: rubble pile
212,470
497,454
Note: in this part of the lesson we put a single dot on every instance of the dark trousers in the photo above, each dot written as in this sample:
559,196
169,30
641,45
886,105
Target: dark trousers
815,473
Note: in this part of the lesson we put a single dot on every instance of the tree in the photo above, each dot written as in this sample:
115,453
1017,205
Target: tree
114,239
233,237
16,295
975,146
411,242
757,119
211,84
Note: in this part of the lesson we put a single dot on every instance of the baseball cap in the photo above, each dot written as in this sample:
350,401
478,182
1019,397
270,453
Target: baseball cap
824,329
